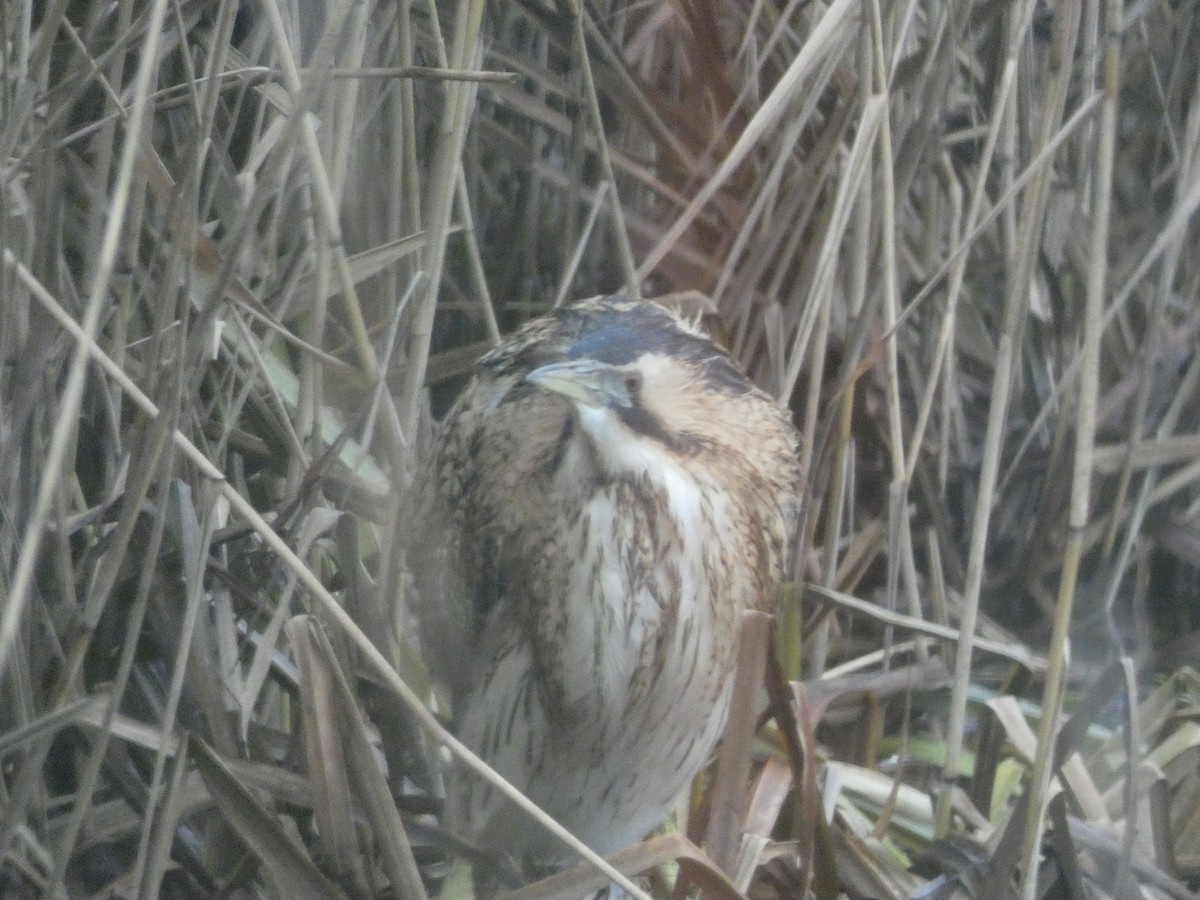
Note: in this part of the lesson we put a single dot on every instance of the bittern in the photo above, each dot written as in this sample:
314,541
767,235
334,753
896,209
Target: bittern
616,493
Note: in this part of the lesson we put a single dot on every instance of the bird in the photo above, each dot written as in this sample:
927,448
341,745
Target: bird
603,500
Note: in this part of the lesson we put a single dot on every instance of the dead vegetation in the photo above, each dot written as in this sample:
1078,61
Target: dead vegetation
238,241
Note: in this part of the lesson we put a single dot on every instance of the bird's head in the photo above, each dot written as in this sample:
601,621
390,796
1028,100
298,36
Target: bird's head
636,411
644,386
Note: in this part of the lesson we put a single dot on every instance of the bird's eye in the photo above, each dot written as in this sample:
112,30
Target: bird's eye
633,383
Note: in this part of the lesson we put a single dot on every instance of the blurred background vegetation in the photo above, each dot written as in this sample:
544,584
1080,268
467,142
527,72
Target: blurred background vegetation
251,251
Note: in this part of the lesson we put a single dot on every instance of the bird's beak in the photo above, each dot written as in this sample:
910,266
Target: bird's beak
585,381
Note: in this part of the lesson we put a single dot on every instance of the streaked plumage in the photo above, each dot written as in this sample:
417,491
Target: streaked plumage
616,492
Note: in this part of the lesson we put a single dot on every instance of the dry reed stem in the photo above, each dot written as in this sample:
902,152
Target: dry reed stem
1085,439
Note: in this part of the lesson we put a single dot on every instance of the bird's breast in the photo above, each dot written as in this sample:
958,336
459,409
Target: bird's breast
641,602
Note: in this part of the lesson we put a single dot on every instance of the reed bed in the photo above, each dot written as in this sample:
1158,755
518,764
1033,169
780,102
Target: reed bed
251,251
